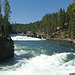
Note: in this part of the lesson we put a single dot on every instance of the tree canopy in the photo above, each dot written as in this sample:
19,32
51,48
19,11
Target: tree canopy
4,20
62,22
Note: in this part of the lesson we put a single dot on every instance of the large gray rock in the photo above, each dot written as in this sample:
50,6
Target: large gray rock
6,48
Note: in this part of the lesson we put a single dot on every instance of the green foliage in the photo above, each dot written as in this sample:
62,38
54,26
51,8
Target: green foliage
63,18
60,18
61,22
7,10
72,20
68,14
4,20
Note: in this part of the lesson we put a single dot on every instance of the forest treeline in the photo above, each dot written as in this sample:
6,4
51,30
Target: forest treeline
60,23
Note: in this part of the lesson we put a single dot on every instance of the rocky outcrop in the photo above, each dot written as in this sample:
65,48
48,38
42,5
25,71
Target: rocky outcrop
29,34
6,48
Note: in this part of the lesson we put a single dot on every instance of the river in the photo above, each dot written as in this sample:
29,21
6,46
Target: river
34,56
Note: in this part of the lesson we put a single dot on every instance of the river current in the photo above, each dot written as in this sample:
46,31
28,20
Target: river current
34,56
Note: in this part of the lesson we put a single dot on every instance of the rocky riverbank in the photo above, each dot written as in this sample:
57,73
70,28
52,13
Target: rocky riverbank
6,48
72,41
54,36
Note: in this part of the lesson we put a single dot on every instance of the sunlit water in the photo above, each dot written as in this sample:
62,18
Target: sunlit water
35,56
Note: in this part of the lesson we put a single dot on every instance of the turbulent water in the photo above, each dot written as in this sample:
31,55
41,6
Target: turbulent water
35,56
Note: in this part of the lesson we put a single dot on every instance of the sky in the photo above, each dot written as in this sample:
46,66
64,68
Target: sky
29,11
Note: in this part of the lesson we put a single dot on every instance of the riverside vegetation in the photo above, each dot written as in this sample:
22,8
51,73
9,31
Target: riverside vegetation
54,25
37,57
6,44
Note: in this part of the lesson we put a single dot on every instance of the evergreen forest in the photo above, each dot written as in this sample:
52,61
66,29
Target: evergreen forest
57,24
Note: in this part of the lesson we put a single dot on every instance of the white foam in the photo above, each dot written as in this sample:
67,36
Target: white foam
21,52
44,65
25,38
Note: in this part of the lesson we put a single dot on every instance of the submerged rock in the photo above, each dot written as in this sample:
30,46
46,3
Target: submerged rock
6,48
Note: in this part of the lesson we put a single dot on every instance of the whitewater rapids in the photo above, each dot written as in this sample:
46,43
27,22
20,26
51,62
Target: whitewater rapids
25,38
36,57
43,65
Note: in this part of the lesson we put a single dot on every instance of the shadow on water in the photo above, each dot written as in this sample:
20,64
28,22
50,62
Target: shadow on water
11,63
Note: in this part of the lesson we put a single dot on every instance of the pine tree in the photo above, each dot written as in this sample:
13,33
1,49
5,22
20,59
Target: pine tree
7,13
0,16
56,20
60,18
63,18
1,22
68,14
72,20
69,28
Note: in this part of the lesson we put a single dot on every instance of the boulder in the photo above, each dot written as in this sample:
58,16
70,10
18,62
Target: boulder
6,48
